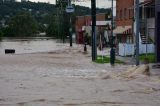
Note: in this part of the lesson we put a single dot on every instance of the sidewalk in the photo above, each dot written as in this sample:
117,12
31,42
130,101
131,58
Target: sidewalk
126,60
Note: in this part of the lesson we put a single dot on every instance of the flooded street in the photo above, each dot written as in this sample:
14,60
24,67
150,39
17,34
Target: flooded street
30,45
46,73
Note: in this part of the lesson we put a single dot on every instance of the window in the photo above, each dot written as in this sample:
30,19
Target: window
130,13
120,14
125,13
150,12
117,15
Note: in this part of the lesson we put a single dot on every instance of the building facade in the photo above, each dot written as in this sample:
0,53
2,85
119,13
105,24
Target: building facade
83,23
124,21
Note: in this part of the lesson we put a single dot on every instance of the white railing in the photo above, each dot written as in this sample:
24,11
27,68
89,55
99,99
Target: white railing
129,49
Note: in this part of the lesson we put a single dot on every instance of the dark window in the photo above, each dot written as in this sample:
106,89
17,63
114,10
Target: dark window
120,14
125,13
130,13
150,12
117,15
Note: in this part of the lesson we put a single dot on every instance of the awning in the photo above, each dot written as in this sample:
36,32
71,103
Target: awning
102,23
121,29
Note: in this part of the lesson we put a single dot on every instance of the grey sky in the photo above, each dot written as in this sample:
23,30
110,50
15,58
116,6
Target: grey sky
99,3
87,3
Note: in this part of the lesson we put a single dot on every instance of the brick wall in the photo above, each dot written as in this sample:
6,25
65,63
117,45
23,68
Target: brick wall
124,12
86,20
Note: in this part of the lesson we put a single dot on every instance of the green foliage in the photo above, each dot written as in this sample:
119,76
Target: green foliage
61,3
7,32
41,28
23,25
106,59
150,57
43,13
1,35
52,30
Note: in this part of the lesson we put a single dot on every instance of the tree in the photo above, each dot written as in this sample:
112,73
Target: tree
23,25
1,35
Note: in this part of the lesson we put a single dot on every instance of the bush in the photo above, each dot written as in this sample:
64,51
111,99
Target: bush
1,35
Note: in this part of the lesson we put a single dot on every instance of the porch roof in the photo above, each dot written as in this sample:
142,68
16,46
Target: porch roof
121,29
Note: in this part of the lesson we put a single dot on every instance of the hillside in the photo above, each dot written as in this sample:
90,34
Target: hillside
44,14
38,9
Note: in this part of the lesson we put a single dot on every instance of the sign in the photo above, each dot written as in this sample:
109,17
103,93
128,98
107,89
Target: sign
69,9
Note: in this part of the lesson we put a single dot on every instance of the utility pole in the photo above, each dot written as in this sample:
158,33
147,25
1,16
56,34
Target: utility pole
137,32
112,52
60,7
70,29
94,44
70,10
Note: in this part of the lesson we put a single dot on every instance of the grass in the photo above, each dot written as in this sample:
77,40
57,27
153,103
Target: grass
106,59
150,57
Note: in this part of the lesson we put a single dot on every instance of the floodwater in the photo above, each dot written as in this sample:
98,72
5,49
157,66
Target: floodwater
30,45
66,76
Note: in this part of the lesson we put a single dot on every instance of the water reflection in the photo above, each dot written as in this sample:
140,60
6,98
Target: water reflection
30,45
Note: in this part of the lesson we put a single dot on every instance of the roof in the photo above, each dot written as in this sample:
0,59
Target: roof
102,23
121,29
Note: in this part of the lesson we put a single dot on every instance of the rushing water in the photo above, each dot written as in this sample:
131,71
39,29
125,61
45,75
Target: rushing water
30,45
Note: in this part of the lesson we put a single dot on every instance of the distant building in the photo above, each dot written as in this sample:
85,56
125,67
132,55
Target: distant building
83,23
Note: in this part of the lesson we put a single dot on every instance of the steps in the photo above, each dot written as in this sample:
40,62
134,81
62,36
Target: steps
144,39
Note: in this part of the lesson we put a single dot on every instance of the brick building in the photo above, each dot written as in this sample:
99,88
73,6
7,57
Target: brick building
124,21
83,21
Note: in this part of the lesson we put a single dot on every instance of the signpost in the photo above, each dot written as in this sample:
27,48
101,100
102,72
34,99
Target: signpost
70,9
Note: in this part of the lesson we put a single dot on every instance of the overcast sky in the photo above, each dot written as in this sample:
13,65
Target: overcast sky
99,3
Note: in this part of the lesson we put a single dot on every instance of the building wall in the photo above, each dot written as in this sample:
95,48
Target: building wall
86,20
124,12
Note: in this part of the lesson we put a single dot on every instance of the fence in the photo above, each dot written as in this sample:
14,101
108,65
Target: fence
129,49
